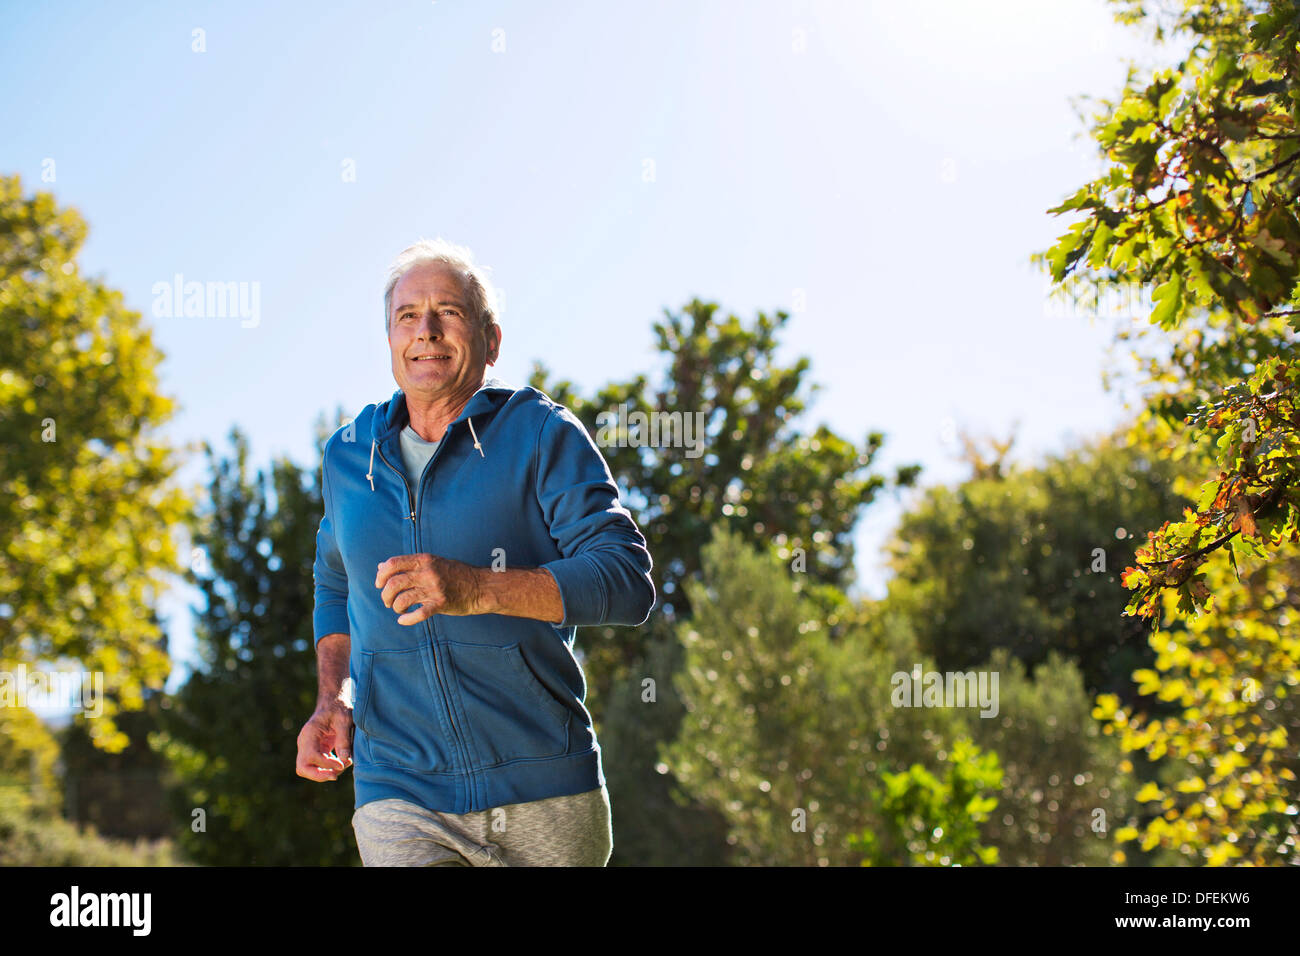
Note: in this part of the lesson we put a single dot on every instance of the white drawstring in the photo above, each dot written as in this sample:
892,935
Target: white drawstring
475,434
370,474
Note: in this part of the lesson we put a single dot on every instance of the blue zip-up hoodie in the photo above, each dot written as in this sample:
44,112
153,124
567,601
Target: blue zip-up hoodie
467,713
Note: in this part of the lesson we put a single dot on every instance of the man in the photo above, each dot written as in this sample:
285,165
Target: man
469,527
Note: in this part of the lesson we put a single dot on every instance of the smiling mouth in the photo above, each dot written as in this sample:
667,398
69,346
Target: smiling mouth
432,358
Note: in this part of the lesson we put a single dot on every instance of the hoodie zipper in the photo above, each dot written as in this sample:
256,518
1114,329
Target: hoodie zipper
415,527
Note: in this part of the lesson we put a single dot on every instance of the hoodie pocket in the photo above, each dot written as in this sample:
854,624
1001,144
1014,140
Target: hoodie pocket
511,714
399,710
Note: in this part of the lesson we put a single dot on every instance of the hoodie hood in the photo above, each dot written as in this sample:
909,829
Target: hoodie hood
392,416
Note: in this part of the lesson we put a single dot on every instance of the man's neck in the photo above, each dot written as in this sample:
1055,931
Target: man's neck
430,417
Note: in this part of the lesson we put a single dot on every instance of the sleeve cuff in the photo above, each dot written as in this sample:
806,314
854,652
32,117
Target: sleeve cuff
331,619
582,592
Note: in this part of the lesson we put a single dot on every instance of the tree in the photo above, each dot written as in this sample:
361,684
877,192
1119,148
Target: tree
1029,559
122,794
656,821
87,503
784,727
1015,571
1198,203
1227,790
230,733
38,836
798,741
1063,795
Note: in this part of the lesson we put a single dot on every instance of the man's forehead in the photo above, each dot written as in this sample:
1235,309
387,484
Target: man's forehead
429,279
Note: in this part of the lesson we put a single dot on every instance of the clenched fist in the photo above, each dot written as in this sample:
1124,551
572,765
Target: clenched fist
325,743
438,585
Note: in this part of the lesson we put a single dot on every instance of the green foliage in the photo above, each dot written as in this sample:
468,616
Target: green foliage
935,822
1029,559
785,726
29,753
1227,788
1059,768
1001,574
656,821
30,836
1197,203
86,499
230,733
780,717
120,794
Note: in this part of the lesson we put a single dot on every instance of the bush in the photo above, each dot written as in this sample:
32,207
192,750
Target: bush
31,836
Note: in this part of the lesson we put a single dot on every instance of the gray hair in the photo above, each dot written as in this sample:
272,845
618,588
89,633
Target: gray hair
474,280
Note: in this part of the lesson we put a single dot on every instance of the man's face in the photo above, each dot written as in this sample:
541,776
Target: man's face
431,316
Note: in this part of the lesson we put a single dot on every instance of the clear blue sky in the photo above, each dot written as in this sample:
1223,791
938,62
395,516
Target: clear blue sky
897,170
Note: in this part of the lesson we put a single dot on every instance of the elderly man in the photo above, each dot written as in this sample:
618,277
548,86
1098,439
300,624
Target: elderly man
469,528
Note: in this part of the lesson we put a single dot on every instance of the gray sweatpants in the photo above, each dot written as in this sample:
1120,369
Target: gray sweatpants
559,831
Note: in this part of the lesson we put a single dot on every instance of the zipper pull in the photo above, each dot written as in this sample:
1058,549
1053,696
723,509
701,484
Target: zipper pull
412,516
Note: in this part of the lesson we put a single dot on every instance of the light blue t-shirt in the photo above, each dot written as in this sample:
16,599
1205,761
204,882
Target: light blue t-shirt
416,453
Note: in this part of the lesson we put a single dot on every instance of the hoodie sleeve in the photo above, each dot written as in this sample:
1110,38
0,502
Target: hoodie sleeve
604,576
331,614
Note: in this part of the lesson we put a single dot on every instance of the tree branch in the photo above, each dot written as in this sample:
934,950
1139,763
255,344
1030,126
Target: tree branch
1268,502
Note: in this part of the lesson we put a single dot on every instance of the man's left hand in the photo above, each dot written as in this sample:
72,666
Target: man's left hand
438,585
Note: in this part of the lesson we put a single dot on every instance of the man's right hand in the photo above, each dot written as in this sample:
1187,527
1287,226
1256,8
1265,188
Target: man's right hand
325,743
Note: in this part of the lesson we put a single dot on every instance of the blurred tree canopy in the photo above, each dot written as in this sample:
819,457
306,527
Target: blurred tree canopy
1063,792
122,794
1029,559
785,727
87,503
789,735
39,836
